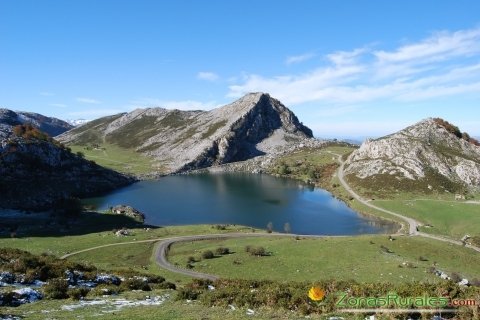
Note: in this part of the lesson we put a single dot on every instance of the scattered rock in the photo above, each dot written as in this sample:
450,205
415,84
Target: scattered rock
122,233
128,211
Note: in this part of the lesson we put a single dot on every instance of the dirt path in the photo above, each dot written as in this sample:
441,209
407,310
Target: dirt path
412,223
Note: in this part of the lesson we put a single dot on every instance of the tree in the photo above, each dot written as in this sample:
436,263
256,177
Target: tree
270,227
287,228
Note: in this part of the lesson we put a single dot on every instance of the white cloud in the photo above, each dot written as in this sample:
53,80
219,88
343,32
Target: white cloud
173,104
58,105
346,57
444,64
440,46
208,76
299,58
312,86
88,100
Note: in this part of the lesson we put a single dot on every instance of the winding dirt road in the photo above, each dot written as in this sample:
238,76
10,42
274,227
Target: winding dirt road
411,223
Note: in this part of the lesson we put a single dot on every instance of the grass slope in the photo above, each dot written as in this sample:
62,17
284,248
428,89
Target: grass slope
119,159
359,258
451,218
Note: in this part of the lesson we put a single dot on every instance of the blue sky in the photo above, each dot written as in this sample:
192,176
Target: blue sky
346,68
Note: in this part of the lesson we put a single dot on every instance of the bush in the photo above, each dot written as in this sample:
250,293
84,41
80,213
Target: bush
166,285
222,251
135,284
56,289
78,293
208,254
191,259
104,290
256,251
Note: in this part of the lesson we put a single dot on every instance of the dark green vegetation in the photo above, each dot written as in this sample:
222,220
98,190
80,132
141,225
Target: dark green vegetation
314,165
292,296
384,186
60,273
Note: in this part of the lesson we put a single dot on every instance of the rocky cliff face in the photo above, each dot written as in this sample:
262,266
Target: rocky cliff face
36,171
426,152
253,125
51,126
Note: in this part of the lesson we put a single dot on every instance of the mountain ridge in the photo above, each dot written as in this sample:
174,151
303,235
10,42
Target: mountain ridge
184,140
426,151
36,172
50,125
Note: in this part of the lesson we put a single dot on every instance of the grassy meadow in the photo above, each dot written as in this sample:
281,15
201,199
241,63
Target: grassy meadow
361,258
452,218
119,159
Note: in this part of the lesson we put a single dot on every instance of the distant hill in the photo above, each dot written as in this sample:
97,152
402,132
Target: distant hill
49,125
432,155
36,171
181,140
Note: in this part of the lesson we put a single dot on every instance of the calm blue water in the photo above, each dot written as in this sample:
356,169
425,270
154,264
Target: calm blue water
239,198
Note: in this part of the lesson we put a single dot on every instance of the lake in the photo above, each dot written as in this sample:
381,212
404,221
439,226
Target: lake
245,199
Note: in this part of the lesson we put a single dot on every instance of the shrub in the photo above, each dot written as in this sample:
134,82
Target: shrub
222,251
104,290
166,285
56,289
135,284
78,293
256,251
208,254
191,259
422,258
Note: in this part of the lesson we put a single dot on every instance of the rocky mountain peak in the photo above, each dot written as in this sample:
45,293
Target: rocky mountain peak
253,125
430,150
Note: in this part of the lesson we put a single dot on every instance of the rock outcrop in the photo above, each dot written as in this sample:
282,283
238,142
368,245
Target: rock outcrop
37,171
256,124
429,152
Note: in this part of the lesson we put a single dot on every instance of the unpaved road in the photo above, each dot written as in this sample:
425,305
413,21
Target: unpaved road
411,223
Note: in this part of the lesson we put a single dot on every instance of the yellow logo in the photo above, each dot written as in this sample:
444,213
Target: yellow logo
316,294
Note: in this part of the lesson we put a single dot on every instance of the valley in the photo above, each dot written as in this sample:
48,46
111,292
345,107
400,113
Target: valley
398,256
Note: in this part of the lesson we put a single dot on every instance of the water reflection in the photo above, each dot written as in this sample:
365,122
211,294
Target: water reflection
237,198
